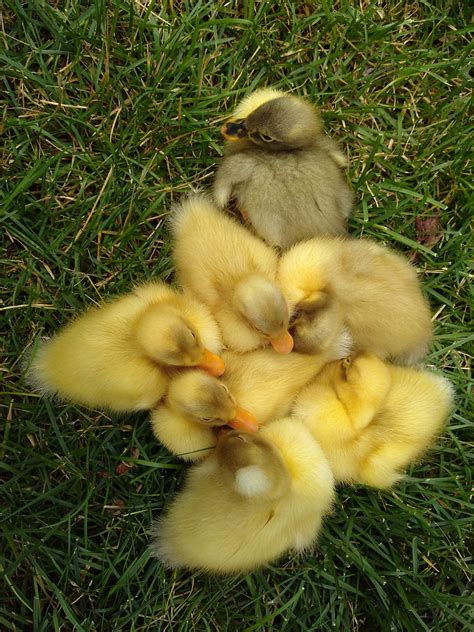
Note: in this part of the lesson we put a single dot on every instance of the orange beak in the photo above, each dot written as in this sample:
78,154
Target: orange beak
244,420
283,343
212,363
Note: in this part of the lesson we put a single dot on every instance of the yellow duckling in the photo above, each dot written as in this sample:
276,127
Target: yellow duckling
282,170
263,382
255,498
267,383
374,291
195,405
372,419
233,273
119,355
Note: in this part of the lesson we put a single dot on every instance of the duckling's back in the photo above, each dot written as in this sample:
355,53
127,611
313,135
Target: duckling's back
94,361
212,252
417,406
385,308
289,196
267,383
212,526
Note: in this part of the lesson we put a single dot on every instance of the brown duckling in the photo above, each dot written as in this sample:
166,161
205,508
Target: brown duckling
282,170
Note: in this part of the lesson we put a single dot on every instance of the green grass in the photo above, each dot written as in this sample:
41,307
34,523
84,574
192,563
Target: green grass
111,110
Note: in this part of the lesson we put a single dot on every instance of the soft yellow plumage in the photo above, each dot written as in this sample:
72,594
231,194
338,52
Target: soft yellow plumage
118,356
372,419
254,100
261,382
233,273
374,290
258,496
267,383
195,404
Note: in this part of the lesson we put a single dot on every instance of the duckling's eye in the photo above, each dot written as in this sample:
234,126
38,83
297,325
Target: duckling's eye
265,138
193,335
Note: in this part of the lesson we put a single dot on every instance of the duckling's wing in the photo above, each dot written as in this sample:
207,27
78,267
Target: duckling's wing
233,170
333,151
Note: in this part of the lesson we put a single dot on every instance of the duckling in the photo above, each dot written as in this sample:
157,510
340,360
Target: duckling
195,405
372,419
256,497
374,291
233,273
262,381
267,383
119,355
283,171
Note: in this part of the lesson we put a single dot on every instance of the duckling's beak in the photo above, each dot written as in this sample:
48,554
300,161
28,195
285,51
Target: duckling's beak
282,343
234,130
212,363
244,420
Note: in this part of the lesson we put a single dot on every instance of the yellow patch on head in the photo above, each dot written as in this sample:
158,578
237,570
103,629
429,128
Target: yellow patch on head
254,100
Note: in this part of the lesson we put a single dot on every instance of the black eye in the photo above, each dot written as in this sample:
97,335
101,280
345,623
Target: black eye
265,138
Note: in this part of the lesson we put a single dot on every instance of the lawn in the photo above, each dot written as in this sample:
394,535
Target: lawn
110,111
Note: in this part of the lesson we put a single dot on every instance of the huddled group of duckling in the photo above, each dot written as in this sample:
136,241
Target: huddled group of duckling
281,366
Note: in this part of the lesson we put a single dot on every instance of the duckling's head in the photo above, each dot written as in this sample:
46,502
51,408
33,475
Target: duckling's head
360,367
166,337
252,466
262,304
280,122
317,325
336,372
207,400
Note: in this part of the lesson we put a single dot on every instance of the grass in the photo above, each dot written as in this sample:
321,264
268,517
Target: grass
110,111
